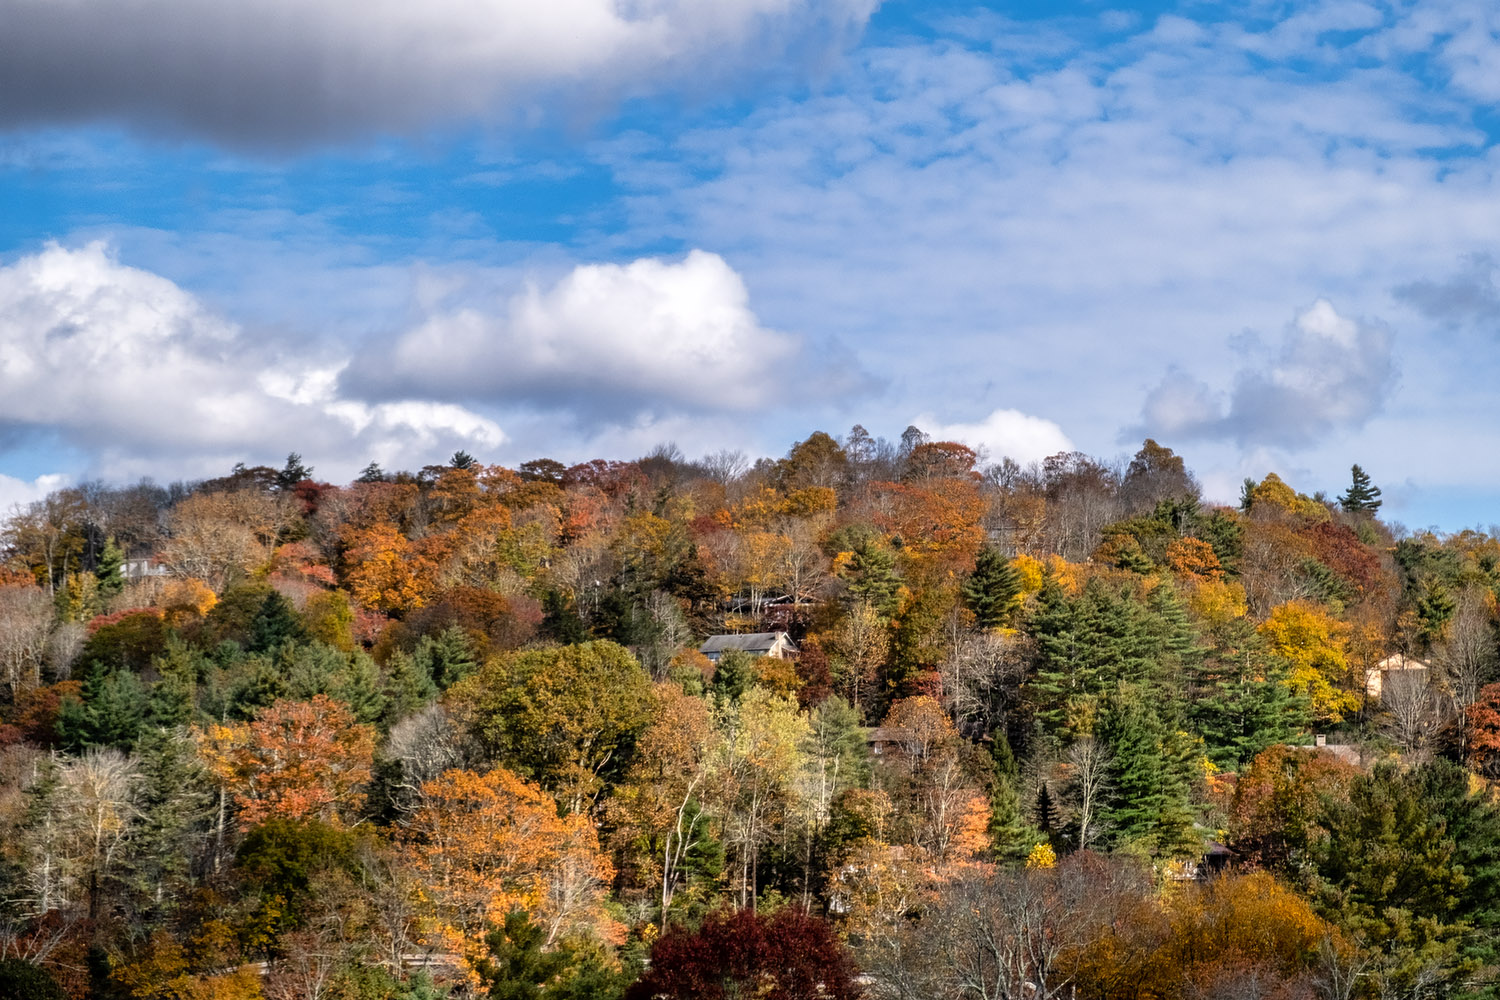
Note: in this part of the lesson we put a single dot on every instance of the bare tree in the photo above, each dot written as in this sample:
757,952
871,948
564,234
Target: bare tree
981,680
1465,661
1088,774
25,623
1414,712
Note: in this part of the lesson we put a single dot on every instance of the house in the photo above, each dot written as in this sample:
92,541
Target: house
140,569
1343,751
1375,677
777,644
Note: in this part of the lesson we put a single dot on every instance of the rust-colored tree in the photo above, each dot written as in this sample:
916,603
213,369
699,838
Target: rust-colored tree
295,760
787,956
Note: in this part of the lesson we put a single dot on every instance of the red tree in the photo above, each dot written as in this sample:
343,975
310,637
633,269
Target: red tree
787,956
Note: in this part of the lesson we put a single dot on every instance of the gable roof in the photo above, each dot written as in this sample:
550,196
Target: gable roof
749,642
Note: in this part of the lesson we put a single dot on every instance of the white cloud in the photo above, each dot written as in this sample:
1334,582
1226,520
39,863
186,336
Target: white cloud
1002,434
607,338
288,71
129,367
19,492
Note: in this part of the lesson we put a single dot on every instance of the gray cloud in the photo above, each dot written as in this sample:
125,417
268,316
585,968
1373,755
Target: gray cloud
289,72
1331,374
1471,296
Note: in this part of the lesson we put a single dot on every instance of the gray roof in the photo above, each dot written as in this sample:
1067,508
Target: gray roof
749,642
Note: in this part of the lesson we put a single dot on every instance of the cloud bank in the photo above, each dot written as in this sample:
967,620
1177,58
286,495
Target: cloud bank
129,368
288,72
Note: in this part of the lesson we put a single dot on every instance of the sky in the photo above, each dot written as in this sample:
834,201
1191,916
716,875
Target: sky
1266,234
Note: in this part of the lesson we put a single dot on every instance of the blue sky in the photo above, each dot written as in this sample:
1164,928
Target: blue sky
1264,234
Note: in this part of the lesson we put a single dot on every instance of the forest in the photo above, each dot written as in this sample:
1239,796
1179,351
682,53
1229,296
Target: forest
1066,730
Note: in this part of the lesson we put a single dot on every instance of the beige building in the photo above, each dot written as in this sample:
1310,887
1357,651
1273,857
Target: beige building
1375,677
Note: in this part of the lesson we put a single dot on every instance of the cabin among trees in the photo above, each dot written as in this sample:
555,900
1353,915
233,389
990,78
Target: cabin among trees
777,645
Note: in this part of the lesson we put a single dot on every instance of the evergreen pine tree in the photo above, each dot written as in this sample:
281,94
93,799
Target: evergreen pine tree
1086,647
175,805
1150,778
1010,833
173,696
1361,497
109,572
1046,818
992,589
275,622
560,620
293,472
449,658
871,577
110,712
407,687
734,674
372,473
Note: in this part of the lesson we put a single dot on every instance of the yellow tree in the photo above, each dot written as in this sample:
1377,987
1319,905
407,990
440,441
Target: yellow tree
386,571
656,807
759,758
1315,644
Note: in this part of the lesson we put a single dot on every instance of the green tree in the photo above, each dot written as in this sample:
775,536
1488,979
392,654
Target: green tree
1086,647
734,674
293,472
993,590
1240,702
1146,803
1361,497
109,571
1010,832
21,980
276,622
517,968
1389,872
565,717
110,712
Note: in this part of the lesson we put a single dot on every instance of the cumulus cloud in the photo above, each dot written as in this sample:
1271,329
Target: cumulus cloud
608,339
1002,434
1332,373
289,71
127,366
19,492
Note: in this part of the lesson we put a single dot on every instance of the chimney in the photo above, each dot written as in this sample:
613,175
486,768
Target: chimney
1320,740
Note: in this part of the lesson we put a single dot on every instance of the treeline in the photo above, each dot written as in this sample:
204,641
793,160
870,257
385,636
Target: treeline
1047,731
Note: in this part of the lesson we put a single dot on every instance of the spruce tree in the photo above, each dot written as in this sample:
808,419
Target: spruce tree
871,577
1150,778
109,572
407,687
1361,497
293,472
1047,821
173,696
275,622
1010,833
175,806
449,658
992,589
